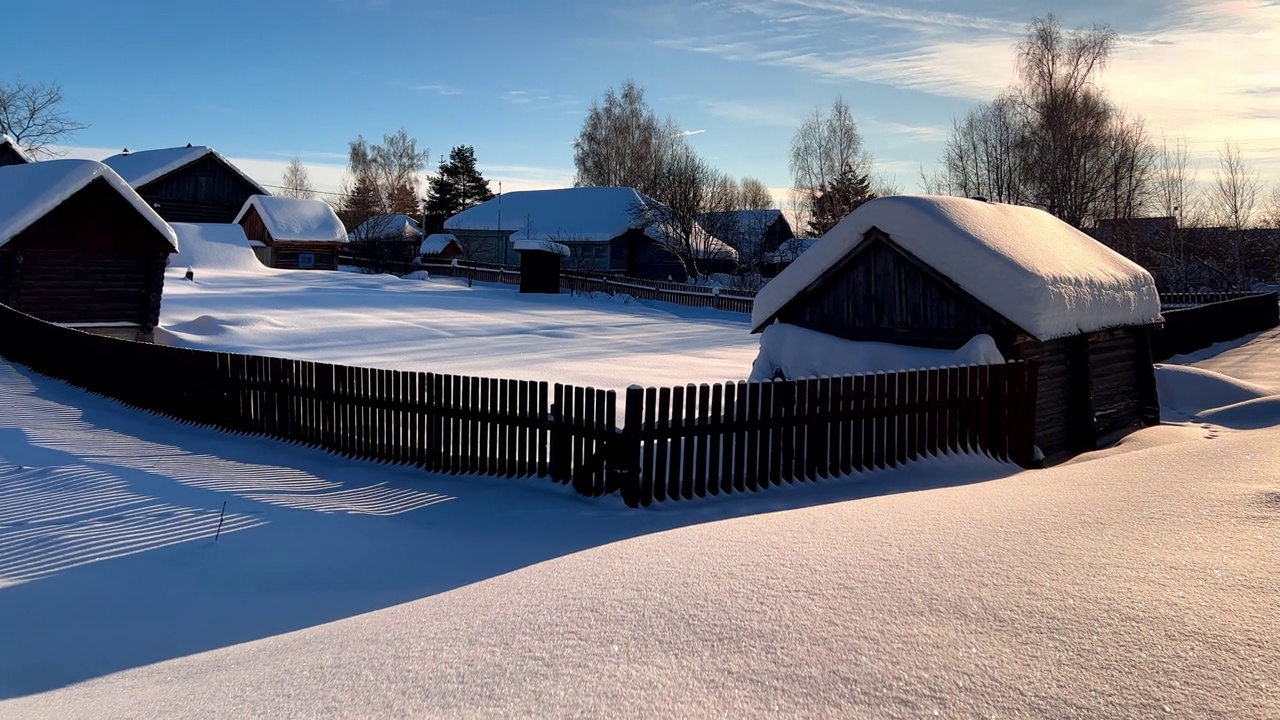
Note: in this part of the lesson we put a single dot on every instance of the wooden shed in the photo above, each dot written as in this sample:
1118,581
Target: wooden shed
295,234
11,153
540,265
438,248
935,272
79,247
187,184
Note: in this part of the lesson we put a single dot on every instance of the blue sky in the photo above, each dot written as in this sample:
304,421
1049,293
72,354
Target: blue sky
262,81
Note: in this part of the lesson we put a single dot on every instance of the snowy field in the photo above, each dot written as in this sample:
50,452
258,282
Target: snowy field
1136,582
441,325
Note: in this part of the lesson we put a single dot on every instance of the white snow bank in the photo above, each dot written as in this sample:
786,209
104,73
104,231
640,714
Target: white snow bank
799,352
1189,391
214,246
524,245
583,214
295,219
1030,267
29,192
1247,415
146,166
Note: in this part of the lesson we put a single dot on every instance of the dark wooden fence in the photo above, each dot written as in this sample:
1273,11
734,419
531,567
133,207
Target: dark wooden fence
712,439
1196,321
676,443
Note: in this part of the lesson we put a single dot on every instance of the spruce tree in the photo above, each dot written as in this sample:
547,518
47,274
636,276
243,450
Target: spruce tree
831,203
457,185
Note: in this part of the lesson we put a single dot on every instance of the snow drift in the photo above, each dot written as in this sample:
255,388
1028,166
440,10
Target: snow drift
799,352
214,246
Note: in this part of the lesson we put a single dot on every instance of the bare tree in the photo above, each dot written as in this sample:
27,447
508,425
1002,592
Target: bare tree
696,191
393,169
32,114
1233,198
1054,140
825,146
1176,196
1271,212
623,143
295,181
753,194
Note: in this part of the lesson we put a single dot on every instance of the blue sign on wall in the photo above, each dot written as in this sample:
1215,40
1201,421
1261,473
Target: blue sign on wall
306,260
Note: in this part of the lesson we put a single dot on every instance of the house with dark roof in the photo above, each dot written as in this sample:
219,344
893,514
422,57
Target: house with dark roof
603,227
755,234
935,272
293,233
79,247
11,153
187,184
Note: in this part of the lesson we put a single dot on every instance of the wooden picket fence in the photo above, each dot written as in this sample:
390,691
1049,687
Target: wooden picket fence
738,437
675,444
1194,321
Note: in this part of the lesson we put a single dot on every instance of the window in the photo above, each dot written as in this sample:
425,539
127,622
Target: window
306,260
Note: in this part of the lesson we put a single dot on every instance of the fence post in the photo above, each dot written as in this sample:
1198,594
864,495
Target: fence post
625,450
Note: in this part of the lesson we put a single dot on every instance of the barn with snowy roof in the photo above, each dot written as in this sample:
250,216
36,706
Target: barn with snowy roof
79,247
938,271
187,184
604,228
293,233
11,153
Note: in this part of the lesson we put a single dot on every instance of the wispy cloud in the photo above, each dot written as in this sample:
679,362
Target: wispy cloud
438,89
688,133
541,99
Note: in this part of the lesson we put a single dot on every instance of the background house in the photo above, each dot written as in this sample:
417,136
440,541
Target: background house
294,233
79,247
602,226
936,272
187,184
755,234
438,247
11,153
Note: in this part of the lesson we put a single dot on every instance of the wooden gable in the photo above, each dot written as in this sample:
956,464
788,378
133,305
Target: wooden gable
207,190
254,228
96,219
10,156
880,292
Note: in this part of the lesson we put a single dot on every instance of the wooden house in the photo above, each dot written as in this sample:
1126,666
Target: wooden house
438,248
187,184
11,153
540,265
293,233
756,235
604,228
394,238
79,247
936,272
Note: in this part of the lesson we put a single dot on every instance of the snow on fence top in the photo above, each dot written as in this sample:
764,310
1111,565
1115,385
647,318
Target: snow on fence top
29,192
214,246
6,140
524,245
387,227
295,219
1040,273
566,215
145,166
435,243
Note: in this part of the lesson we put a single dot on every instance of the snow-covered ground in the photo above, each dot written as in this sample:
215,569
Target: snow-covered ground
1135,582
441,325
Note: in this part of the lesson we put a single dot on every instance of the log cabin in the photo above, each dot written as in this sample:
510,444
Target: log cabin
936,272
80,248
187,184
293,233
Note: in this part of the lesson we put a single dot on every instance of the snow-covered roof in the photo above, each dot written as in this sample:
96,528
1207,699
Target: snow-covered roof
791,249
524,244
436,243
145,166
387,226
29,192
758,220
295,219
214,246
6,140
566,215
1040,273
